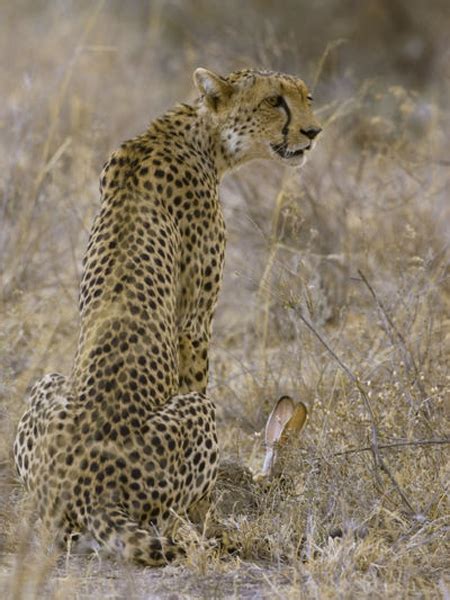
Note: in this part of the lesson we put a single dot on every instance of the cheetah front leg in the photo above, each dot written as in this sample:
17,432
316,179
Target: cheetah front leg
193,362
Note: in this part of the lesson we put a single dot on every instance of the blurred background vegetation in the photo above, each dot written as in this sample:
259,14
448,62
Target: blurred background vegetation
80,76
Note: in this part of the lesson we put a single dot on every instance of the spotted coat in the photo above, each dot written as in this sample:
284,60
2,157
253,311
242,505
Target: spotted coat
127,443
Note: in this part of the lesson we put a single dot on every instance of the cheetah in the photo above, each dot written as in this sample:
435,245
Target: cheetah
127,444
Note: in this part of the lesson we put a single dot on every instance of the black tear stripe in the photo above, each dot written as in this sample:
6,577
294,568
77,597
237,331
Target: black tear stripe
287,110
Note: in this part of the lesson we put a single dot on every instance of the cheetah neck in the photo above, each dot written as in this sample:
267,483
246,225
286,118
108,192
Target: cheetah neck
202,131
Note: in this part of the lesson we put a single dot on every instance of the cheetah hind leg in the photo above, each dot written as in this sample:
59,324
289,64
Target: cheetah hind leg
123,537
47,397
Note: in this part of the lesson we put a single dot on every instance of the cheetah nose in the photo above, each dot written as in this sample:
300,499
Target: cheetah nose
311,132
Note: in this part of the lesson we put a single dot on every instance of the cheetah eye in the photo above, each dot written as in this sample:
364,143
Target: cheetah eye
274,100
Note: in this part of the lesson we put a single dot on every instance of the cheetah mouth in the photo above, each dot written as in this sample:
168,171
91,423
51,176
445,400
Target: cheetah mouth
284,152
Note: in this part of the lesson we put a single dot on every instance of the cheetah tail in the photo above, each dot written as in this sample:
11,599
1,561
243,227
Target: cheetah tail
113,528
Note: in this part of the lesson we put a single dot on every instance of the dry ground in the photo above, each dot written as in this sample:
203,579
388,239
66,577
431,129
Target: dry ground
336,291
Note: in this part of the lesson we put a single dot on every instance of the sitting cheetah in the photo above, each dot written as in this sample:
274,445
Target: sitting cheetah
128,442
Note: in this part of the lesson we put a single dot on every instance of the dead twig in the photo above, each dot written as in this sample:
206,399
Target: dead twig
399,444
394,333
374,446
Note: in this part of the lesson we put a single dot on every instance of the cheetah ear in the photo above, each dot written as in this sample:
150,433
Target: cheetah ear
214,88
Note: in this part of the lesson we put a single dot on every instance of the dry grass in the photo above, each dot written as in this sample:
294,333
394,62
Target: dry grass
344,304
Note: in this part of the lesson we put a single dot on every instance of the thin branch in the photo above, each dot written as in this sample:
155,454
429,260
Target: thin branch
399,444
343,366
374,447
409,358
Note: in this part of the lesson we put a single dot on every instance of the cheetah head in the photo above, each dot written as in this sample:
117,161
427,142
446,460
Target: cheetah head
259,114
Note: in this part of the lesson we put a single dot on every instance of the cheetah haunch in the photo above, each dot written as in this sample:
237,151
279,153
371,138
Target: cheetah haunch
128,442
